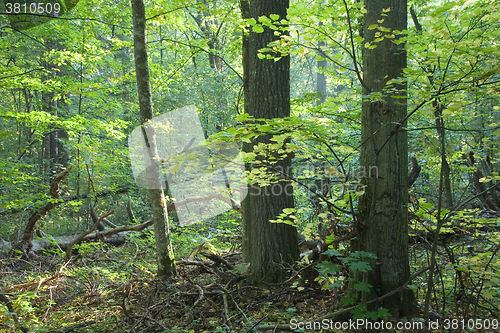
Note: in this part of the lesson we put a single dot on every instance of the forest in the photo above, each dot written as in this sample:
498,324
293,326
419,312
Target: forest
249,166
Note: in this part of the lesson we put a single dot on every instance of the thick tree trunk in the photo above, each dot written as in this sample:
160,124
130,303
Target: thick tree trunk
383,215
166,264
54,155
267,95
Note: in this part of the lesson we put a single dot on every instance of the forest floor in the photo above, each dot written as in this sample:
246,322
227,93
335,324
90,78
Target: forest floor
114,289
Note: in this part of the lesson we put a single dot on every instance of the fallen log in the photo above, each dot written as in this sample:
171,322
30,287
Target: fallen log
115,236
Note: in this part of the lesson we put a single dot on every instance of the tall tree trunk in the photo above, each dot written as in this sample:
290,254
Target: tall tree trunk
321,87
448,195
54,155
166,264
382,226
267,95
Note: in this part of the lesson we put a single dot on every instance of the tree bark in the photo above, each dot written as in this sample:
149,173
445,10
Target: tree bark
382,225
438,113
165,255
267,95
54,155
321,85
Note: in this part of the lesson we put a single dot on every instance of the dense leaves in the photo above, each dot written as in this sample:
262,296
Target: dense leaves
68,97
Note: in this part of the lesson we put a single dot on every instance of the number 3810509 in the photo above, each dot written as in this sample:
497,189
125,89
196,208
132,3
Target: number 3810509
33,8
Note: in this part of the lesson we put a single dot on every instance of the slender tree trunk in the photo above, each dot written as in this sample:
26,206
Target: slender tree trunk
245,14
438,113
266,246
166,264
382,226
321,87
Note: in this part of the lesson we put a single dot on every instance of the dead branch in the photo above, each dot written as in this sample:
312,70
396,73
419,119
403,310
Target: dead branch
78,239
218,259
76,327
95,217
195,251
110,232
130,212
26,244
193,263
202,295
28,286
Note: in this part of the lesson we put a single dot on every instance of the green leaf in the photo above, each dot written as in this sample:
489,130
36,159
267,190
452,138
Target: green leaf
346,300
332,253
360,266
363,286
264,20
364,255
258,29
328,267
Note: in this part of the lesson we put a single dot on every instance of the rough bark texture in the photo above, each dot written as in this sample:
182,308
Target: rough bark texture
53,155
166,264
267,95
383,215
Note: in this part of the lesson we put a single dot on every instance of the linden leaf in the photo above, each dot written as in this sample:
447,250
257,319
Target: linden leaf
258,28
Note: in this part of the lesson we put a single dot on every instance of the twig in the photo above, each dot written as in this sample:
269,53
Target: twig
257,323
29,285
75,327
193,263
224,298
200,289
202,294
24,73
235,303
358,74
218,259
